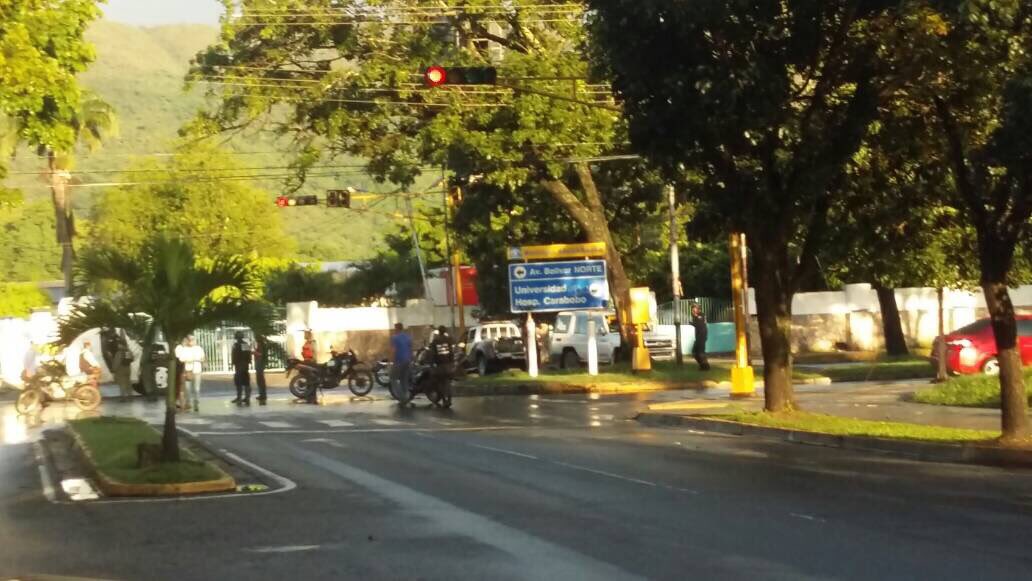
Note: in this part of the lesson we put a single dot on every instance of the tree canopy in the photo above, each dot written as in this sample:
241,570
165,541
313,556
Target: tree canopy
191,195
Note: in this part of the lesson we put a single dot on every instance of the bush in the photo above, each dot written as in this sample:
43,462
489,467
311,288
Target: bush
17,299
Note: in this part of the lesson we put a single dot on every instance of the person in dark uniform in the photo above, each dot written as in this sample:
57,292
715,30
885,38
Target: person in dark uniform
259,353
701,331
442,349
241,367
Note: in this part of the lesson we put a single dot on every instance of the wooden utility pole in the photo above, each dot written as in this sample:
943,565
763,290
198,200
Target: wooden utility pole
675,275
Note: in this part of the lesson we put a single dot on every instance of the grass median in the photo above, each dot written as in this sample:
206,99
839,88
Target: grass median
839,426
663,374
112,443
980,391
882,370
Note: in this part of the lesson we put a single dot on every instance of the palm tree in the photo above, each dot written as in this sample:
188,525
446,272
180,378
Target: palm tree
165,288
94,121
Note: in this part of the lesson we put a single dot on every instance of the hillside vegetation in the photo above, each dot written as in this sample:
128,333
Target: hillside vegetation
140,71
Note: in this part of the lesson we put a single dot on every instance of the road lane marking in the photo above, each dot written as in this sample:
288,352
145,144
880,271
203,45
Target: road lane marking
192,421
284,549
503,451
356,431
326,441
277,425
548,561
224,426
604,473
442,422
805,517
337,423
386,422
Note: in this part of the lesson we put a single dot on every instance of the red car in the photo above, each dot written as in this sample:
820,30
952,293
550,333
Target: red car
972,348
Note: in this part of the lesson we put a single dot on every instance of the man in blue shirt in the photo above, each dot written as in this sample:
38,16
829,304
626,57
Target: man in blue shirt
401,357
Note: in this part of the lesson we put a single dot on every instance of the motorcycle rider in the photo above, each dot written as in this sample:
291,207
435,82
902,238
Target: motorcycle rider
241,369
442,349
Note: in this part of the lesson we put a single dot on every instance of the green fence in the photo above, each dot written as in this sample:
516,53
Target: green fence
716,310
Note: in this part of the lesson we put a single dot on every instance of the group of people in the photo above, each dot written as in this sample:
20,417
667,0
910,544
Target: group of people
243,356
442,358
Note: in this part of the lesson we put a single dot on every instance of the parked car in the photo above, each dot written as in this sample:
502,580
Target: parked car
494,345
569,340
972,348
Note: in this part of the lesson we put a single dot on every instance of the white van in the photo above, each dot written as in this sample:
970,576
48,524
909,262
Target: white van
568,341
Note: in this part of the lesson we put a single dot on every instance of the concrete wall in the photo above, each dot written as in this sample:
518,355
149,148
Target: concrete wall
851,318
364,329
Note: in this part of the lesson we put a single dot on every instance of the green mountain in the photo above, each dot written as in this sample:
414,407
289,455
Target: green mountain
140,71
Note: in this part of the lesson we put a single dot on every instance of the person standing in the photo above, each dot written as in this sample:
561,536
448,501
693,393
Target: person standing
89,365
191,355
122,366
241,369
401,359
308,348
701,333
259,353
442,349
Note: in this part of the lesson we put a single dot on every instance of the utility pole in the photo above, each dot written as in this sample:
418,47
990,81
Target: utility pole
675,275
457,273
419,251
742,378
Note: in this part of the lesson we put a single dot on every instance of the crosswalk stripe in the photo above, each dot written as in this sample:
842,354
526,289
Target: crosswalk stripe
224,426
336,423
277,424
385,422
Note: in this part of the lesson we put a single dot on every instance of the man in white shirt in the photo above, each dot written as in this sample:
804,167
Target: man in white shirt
191,355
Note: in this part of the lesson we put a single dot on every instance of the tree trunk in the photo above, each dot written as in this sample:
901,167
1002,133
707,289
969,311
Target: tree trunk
892,326
170,437
64,224
774,315
1013,400
941,373
590,216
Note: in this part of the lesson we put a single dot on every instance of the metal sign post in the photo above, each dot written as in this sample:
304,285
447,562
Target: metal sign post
592,348
532,354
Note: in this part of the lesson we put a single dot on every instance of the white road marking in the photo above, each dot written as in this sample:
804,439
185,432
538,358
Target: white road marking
337,423
224,426
503,451
604,473
550,560
386,422
192,421
356,431
277,425
442,422
326,441
284,549
805,517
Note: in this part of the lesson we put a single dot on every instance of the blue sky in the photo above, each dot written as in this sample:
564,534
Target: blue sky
153,12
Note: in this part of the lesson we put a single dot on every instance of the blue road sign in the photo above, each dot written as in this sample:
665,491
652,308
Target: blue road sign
541,287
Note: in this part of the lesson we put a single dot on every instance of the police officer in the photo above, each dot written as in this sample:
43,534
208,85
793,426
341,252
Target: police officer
442,349
241,367
701,332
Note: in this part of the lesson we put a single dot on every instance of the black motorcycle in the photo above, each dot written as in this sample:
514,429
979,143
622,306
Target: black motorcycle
428,380
341,367
382,372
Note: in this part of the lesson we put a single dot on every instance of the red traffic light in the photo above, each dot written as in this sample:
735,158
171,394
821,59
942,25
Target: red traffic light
435,76
282,201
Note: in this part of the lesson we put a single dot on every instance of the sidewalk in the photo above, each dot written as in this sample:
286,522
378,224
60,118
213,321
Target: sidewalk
865,401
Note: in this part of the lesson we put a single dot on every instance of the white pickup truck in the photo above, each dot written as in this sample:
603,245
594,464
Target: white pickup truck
568,342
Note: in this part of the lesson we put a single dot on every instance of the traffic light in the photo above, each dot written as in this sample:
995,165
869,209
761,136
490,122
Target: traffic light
287,201
339,198
436,76
282,201
308,200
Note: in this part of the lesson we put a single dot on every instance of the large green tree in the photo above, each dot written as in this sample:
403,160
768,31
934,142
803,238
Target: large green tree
197,194
767,101
344,77
977,85
42,49
164,287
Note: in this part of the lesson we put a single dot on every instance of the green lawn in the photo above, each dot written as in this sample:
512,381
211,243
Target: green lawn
663,373
883,370
969,391
112,442
840,426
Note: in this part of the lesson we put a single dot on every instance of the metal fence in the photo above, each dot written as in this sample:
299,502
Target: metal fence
716,310
217,343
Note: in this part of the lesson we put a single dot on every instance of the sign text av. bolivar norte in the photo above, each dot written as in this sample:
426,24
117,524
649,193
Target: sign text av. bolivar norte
540,287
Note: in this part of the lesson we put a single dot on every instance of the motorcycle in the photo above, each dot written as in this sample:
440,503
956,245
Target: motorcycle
341,367
51,383
425,379
382,372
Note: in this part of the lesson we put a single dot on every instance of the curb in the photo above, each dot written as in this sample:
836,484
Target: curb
112,487
915,450
558,388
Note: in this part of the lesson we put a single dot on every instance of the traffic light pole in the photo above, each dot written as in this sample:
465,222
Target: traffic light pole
675,276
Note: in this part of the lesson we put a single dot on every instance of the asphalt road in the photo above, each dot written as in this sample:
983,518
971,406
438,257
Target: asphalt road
521,488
